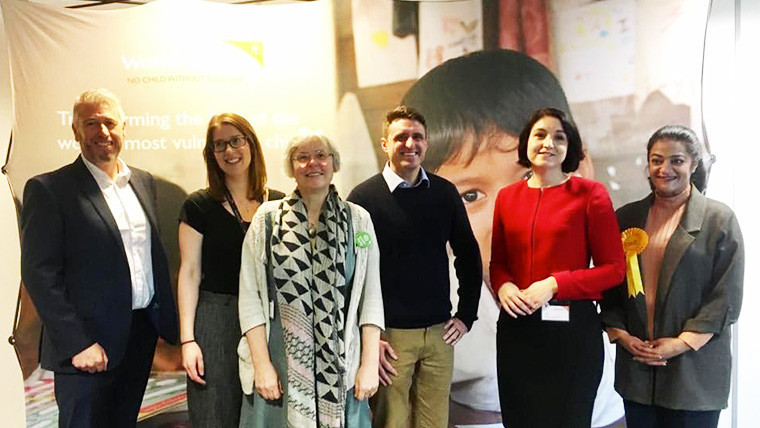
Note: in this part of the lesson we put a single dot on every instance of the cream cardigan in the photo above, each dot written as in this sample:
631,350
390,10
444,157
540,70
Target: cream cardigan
364,307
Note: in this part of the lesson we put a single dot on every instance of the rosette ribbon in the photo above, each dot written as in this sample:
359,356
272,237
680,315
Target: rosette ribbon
634,242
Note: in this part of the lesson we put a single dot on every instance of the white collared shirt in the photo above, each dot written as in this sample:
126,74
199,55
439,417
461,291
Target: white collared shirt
133,227
394,180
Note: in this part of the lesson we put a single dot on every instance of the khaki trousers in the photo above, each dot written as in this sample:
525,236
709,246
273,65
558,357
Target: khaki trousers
420,392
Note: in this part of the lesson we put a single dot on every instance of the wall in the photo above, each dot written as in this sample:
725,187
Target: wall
742,117
11,387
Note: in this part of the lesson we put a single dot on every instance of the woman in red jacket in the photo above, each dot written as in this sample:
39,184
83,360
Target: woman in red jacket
546,231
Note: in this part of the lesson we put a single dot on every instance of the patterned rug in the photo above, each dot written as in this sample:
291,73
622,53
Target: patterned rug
165,393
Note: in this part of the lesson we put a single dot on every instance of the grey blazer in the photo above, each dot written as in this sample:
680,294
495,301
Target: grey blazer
699,289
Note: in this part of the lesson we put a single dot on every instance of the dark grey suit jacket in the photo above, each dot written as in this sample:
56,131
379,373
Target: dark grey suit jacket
699,289
74,266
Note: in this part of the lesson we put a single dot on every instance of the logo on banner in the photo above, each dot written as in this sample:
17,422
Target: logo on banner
255,49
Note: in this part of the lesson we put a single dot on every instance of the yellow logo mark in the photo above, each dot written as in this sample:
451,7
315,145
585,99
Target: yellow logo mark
380,38
254,49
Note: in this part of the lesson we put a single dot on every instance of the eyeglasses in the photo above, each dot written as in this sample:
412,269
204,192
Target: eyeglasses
234,142
303,159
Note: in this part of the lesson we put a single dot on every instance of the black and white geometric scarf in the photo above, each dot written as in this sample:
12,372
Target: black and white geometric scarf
310,286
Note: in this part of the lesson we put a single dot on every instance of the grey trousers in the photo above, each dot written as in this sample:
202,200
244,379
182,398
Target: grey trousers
217,331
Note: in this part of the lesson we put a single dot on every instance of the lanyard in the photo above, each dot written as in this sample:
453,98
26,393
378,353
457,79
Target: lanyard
236,211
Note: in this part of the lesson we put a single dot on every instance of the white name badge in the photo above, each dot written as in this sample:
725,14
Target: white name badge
555,313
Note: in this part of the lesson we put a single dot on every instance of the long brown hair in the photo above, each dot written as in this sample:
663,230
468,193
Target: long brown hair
257,173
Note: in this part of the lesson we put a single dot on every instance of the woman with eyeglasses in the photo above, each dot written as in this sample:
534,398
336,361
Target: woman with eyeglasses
212,224
310,302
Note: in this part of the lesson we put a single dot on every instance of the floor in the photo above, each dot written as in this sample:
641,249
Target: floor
459,414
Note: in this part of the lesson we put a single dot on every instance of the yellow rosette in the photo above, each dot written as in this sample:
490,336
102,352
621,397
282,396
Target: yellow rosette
634,242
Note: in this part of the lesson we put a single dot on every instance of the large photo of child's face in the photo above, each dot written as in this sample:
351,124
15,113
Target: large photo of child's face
609,65
475,107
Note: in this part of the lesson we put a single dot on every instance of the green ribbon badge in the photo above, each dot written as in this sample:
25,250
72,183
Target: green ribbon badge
362,239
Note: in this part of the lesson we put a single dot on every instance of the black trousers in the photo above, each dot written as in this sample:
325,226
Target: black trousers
111,398
650,416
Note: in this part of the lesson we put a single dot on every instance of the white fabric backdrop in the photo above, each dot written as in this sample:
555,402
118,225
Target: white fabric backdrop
174,63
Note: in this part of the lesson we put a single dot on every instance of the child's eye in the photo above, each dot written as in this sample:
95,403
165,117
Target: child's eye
472,195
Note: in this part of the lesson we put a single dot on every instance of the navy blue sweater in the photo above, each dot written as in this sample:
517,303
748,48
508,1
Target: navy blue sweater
413,226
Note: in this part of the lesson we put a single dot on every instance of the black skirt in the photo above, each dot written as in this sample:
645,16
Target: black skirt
217,331
549,371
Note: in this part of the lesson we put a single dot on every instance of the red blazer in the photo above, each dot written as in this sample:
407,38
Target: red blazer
557,231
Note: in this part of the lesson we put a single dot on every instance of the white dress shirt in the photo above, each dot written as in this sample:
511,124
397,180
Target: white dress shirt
394,180
133,227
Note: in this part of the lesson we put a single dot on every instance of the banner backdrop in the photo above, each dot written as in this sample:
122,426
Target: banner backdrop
174,64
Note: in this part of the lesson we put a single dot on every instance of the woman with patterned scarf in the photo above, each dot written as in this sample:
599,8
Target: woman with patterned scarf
310,303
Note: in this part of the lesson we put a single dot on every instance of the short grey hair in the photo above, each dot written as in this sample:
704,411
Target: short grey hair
307,136
99,96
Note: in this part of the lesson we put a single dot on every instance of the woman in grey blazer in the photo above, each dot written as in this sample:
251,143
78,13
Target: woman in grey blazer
671,318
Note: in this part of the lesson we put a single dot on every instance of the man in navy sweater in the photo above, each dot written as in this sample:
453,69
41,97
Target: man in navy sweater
415,214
